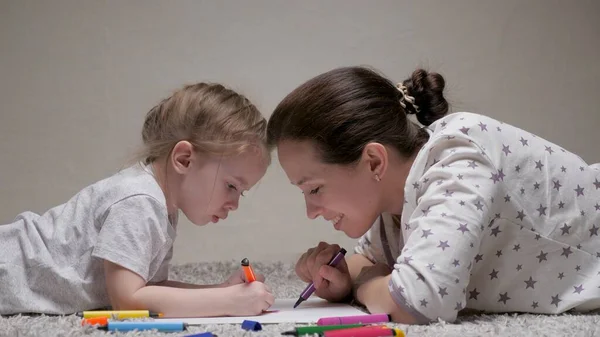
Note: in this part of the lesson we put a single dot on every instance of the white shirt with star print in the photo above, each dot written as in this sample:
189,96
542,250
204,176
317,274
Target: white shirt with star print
494,219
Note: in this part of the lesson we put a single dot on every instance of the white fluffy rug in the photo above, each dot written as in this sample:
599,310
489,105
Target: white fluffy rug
285,284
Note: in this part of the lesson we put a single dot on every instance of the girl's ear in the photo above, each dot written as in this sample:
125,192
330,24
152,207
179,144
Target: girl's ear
181,156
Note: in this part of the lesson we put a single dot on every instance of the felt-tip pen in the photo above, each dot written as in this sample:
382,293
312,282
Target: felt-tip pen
119,314
171,326
250,277
312,329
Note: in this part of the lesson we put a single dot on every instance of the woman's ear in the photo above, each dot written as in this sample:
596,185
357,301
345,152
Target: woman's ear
375,155
182,156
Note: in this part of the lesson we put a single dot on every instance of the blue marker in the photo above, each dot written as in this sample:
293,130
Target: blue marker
144,325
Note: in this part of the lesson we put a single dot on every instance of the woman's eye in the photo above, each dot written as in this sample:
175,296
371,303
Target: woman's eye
315,191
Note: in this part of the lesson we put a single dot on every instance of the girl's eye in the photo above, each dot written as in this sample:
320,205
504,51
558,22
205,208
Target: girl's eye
315,191
232,187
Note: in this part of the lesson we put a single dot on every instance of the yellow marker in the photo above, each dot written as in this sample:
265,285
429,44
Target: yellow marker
119,314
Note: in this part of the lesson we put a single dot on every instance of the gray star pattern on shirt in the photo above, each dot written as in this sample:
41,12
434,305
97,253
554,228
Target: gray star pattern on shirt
424,303
539,165
472,164
442,291
561,276
597,183
561,205
426,233
579,190
578,289
565,229
566,252
443,245
493,274
517,247
495,231
499,253
557,185
507,198
426,211
483,126
479,205
534,305
448,193
519,267
555,300
542,257
530,283
524,141
506,149
549,149
542,210
521,215
594,230
503,298
463,228
464,130
478,257
473,294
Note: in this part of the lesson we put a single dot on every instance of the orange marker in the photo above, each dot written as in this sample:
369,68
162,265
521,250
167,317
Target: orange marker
248,271
95,321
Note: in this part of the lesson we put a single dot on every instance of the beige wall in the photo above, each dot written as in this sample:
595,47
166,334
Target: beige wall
77,77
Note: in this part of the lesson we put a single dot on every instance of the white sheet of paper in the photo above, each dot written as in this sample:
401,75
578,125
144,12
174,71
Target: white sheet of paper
308,312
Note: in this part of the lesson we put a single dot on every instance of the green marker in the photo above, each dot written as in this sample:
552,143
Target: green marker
307,330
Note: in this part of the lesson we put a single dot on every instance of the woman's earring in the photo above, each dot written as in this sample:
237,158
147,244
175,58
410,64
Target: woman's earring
377,178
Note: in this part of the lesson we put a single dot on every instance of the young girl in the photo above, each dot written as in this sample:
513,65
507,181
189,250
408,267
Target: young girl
111,244
466,212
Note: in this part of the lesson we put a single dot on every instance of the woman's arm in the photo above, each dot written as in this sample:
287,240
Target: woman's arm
370,287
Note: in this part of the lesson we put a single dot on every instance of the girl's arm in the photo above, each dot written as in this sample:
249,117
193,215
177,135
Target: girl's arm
184,285
127,290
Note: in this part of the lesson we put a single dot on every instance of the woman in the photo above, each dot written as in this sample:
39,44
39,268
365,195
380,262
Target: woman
461,212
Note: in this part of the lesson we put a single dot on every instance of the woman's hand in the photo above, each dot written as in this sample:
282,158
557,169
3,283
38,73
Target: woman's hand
331,283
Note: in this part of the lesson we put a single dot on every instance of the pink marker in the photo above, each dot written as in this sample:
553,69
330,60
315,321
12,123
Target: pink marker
360,319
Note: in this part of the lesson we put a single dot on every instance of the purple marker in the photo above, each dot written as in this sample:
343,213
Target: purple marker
311,287
360,319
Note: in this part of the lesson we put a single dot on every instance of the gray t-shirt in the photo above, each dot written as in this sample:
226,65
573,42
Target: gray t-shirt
53,263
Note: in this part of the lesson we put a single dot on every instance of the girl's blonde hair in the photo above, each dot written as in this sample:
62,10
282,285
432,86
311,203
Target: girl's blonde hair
214,119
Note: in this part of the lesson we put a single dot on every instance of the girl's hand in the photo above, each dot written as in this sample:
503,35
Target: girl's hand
331,283
239,277
249,299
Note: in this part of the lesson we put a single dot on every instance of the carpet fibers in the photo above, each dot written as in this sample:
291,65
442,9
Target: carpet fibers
284,283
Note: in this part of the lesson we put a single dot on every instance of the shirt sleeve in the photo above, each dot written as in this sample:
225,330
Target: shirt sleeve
163,270
453,196
134,234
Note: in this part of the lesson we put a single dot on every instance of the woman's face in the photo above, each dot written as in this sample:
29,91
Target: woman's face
347,196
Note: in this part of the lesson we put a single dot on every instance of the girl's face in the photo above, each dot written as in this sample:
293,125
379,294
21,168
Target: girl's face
209,186
347,196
